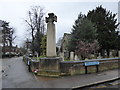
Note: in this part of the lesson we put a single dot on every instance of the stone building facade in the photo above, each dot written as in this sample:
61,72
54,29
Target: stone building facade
64,44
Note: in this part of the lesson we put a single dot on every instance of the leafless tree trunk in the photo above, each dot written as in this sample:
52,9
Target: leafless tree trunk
35,22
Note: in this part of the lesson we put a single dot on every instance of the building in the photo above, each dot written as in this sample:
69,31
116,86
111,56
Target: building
64,44
14,50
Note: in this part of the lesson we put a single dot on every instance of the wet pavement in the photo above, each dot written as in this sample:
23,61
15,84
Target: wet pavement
111,84
16,75
81,80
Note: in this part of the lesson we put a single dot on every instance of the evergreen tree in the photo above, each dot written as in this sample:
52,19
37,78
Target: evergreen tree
74,36
37,42
106,27
83,30
43,45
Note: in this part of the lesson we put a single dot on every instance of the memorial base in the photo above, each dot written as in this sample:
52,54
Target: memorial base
50,66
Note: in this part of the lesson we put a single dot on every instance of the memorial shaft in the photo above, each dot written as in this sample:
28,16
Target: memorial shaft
51,35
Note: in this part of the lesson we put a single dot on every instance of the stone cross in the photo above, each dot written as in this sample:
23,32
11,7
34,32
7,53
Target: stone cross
51,37
51,18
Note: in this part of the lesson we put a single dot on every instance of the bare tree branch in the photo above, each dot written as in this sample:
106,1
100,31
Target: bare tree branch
36,23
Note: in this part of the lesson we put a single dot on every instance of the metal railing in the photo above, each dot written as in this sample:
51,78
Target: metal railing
82,61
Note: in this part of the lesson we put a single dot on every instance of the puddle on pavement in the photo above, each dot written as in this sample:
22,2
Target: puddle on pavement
45,78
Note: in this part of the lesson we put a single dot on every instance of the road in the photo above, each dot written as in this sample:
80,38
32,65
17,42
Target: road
16,75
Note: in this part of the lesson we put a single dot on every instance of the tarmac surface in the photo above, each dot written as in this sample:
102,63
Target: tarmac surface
16,75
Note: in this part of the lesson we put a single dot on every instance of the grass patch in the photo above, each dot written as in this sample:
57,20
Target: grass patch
35,58
68,60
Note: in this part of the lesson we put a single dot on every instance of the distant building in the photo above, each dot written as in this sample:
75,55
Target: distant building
14,50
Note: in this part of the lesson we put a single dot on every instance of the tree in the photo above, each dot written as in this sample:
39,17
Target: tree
37,42
7,36
87,31
74,34
83,30
10,37
36,24
106,28
84,49
118,42
43,45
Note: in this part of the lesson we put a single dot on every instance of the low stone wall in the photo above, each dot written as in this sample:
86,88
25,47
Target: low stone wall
33,63
25,59
46,66
50,63
65,66
49,66
57,67
77,67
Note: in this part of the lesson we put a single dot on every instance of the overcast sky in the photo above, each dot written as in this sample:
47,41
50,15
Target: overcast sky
67,12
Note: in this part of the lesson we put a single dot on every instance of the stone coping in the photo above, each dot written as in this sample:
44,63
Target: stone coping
51,58
81,61
103,59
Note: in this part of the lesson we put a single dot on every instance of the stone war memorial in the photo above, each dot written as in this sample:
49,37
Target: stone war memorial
50,64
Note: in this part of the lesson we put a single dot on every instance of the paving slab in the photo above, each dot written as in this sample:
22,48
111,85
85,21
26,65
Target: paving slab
80,80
